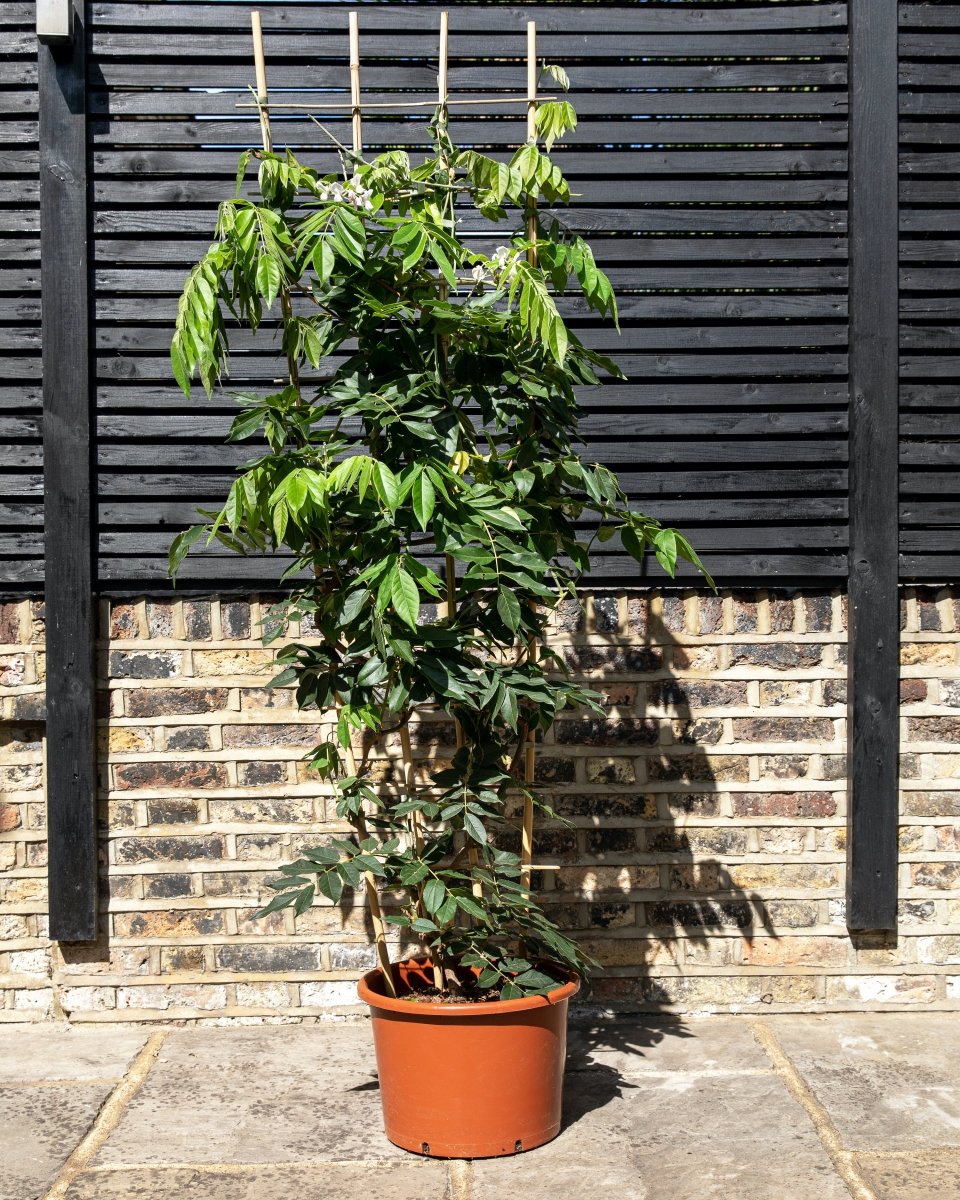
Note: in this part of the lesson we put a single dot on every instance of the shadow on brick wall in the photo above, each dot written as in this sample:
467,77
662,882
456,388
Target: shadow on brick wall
641,883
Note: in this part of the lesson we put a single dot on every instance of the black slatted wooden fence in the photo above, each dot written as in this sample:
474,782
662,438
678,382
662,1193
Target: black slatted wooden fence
929,287
712,171
21,403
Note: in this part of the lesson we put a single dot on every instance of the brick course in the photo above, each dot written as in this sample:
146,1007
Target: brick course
702,866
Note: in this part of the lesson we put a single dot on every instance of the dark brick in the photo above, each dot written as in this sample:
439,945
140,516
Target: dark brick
123,622
145,664
783,729
711,614
174,702
555,770
835,691
688,768
696,841
9,817
168,887
701,915
780,656
638,615
696,693
784,804
934,729
605,618
172,812
610,841
196,620
9,624
833,766
698,733
21,739
233,883
259,774
433,733
170,775
235,619
189,737
268,958
745,612
570,804
182,958
240,736
784,766
819,613
160,618
635,659
568,616
611,732
29,708
913,691
699,804
929,613
168,849
781,614
611,916
674,614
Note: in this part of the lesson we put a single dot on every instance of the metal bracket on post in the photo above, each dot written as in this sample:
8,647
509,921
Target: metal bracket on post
55,21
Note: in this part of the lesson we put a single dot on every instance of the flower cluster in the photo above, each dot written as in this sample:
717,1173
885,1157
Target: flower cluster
503,263
353,193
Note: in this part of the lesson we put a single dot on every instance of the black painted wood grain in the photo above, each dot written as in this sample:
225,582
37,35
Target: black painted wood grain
874,626
71,730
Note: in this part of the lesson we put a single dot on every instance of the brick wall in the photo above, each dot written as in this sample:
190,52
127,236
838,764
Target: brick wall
703,865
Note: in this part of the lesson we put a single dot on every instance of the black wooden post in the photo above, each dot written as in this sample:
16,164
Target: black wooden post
71,767
872,712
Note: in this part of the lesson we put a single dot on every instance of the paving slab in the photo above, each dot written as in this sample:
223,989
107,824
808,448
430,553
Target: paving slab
31,1053
640,1047
40,1126
911,1177
413,1180
256,1094
889,1081
682,1135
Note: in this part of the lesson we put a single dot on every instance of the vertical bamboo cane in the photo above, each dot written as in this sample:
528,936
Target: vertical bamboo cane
370,883
261,70
373,897
355,83
530,751
410,783
259,60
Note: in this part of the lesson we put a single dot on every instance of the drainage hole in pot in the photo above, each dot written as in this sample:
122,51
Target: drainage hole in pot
424,1147
517,1146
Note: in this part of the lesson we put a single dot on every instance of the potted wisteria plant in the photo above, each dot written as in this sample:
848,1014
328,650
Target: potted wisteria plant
426,486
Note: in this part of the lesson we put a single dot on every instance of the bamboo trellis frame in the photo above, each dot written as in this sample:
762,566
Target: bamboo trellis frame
356,107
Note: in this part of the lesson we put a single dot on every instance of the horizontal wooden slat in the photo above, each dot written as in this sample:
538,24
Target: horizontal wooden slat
476,18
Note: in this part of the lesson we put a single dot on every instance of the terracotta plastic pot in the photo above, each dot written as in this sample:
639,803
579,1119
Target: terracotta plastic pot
468,1080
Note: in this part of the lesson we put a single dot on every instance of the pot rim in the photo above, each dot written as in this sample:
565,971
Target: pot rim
376,999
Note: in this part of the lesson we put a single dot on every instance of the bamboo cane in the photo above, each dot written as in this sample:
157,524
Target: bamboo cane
530,751
370,883
263,97
410,785
391,105
373,897
355,83
450,570
261,71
